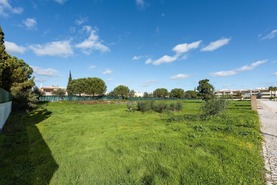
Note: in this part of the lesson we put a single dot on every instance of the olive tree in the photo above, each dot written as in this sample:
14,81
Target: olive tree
160,93
205,89
177,93
121,91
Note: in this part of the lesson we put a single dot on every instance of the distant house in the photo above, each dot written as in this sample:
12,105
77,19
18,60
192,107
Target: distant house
263,93
48,91
138,94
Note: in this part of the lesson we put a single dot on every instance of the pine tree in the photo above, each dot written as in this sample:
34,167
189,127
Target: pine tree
69,81
16,77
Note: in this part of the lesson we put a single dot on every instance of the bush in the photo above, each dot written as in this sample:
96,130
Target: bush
160,107
144,106
214,107
132,106
156,106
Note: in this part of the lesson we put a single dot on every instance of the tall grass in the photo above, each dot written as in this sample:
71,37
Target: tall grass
106,144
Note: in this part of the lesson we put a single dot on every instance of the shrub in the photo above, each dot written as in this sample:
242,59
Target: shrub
160,107
132,106
156,106
144,106
214,107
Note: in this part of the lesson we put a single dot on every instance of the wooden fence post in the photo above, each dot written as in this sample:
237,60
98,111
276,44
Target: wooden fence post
253,102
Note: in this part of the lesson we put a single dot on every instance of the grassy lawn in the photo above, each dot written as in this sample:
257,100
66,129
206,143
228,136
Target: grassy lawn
74,143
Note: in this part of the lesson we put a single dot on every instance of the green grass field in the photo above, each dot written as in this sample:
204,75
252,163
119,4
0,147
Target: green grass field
74,143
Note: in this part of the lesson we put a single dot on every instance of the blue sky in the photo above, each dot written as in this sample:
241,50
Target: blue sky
145,44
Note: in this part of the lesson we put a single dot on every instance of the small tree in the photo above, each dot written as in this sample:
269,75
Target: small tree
214,107
121,91
205,89
177,93
59,92
191,94
160,93
132,94
37,92
145,95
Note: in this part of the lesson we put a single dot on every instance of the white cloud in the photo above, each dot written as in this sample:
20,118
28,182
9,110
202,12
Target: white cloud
56,48
149,61
60,1
165,59
149,83
271,35
12,47
81,20
107,72
179,50
30,23
92,43
275,73
185,47
92,67
216,44
45,72
251,66
179,76
136,57
140,3
6,8
239,70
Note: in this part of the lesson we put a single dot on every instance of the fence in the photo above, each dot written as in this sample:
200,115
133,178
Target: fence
5,96
88,98
5,106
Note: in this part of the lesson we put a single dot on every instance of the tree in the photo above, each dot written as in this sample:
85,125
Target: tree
121,91
69,81
3,54
132,94
37,92
160,93
177,93
59,92
145,95
205,89
95,86
16,78
270,89
191,94
88,86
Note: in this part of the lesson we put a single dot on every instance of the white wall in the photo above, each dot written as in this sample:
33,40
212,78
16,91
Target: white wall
5,110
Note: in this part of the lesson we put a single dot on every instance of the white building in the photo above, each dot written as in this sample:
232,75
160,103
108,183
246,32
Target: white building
48,91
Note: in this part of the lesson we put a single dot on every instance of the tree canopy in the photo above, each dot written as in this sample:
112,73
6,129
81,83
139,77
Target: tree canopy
59,92
88,86
177,93
16,77
160,93
132,94
121,91
205,89
191,94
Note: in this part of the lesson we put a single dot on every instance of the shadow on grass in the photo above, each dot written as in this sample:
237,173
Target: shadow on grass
25,158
